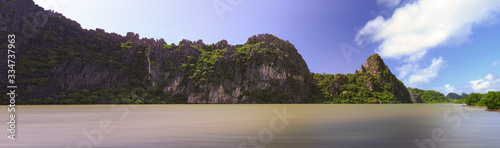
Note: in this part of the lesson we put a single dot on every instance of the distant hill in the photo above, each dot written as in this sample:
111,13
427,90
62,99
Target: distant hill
452,95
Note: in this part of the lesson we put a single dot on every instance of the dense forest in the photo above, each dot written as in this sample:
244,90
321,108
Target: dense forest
354,90
491,100
428,96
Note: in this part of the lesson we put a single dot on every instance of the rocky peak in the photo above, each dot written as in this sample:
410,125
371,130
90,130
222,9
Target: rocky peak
262,37
132,36
374,65
221,44
189,42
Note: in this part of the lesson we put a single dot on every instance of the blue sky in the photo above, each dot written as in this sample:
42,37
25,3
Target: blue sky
446,45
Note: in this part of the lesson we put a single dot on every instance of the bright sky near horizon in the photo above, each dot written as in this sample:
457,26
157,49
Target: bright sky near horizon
445,45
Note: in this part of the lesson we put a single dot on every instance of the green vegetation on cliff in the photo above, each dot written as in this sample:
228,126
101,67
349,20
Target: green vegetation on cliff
373,83
350,88
428,96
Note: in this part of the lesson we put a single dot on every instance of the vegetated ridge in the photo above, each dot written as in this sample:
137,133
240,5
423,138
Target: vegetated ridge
59,62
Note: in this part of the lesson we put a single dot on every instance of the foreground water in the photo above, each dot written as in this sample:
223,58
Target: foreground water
232,126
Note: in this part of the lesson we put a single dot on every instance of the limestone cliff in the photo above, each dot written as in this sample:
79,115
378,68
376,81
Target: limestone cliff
59,60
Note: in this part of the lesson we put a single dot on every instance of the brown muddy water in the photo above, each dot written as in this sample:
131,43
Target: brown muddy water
256,125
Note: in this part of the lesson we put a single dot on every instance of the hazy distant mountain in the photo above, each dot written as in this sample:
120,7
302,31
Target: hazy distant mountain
452,95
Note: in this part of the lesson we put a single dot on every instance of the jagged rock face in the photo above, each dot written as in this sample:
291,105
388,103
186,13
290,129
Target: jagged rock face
375,66
65,58
412,96
265,62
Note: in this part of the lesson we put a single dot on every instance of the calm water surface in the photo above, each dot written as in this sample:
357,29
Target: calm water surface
272,126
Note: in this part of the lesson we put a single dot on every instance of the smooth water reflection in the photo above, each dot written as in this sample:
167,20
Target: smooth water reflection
228,126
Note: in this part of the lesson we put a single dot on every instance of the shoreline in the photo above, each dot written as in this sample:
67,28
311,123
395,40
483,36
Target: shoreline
484,107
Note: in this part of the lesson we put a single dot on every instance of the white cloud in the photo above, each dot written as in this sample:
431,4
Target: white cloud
448,88
489,83
478,85
406,70
419,26
372,27
412,74
426,74
460,88
489,77
389,3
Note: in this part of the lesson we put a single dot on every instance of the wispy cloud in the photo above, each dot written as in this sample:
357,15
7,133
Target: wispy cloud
448,88
406,70
424,75
490,82
412,74
389,3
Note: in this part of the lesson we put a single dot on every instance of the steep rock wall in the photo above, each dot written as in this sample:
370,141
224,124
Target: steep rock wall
59,59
